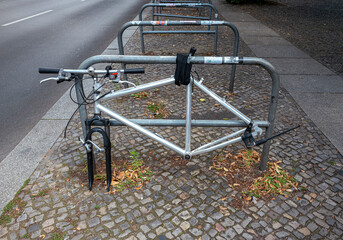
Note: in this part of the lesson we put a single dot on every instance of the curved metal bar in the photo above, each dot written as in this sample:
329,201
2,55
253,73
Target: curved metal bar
273,103
177,23
177,5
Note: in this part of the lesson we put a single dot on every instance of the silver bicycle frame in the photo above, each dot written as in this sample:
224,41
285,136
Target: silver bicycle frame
98,108
188,122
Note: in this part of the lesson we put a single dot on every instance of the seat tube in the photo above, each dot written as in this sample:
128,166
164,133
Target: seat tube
189,116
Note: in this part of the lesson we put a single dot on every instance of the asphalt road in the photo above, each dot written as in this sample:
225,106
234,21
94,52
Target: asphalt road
49,33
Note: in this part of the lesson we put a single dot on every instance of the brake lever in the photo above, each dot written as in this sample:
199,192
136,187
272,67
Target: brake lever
62,76
49,79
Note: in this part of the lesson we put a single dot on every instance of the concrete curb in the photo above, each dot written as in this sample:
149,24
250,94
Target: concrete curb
21,162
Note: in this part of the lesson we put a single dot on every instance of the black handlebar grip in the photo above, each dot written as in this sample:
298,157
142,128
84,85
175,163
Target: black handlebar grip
134,70
48,70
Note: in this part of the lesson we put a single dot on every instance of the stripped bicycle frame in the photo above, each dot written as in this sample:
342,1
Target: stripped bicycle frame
183,23
138,124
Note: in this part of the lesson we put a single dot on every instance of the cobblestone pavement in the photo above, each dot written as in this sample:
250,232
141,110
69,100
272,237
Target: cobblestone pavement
186,200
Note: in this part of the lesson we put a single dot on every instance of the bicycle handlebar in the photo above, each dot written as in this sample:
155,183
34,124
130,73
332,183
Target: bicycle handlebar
86,71
134,70
48,70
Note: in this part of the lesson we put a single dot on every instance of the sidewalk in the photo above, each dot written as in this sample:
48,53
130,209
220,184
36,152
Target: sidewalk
187,200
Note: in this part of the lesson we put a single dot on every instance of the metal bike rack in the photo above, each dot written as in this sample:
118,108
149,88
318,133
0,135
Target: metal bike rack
138,124
178,5
165,23
157,10
182,23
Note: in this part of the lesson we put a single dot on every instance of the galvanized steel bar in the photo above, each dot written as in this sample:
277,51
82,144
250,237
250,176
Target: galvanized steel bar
273,103
177,5
181,16
178,32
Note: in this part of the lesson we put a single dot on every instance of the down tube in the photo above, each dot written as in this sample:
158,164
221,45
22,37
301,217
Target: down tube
141,129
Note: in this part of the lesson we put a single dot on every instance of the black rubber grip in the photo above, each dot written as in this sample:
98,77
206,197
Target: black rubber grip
48,70
134,70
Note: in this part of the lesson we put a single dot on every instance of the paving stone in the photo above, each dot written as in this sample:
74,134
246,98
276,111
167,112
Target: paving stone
177,232
303,220
217,215
186,237
239,229
48,222
155,224
321,223
304,231
124,226
276,225
185,225
22,232
160,230
93,222
78,237
82,225
185,215
294,224
3,231
36,234
125,233
246,222
282,234
109,225
331,221
22,217
205,237
33,228
270,237
62,217
247,236
214,232
196,232
119,219
229,234
145,228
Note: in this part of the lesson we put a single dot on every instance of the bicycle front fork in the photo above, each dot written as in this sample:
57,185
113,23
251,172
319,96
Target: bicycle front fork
89,148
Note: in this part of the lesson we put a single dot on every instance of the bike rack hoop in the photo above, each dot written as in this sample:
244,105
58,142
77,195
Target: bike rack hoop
178,5
182,23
